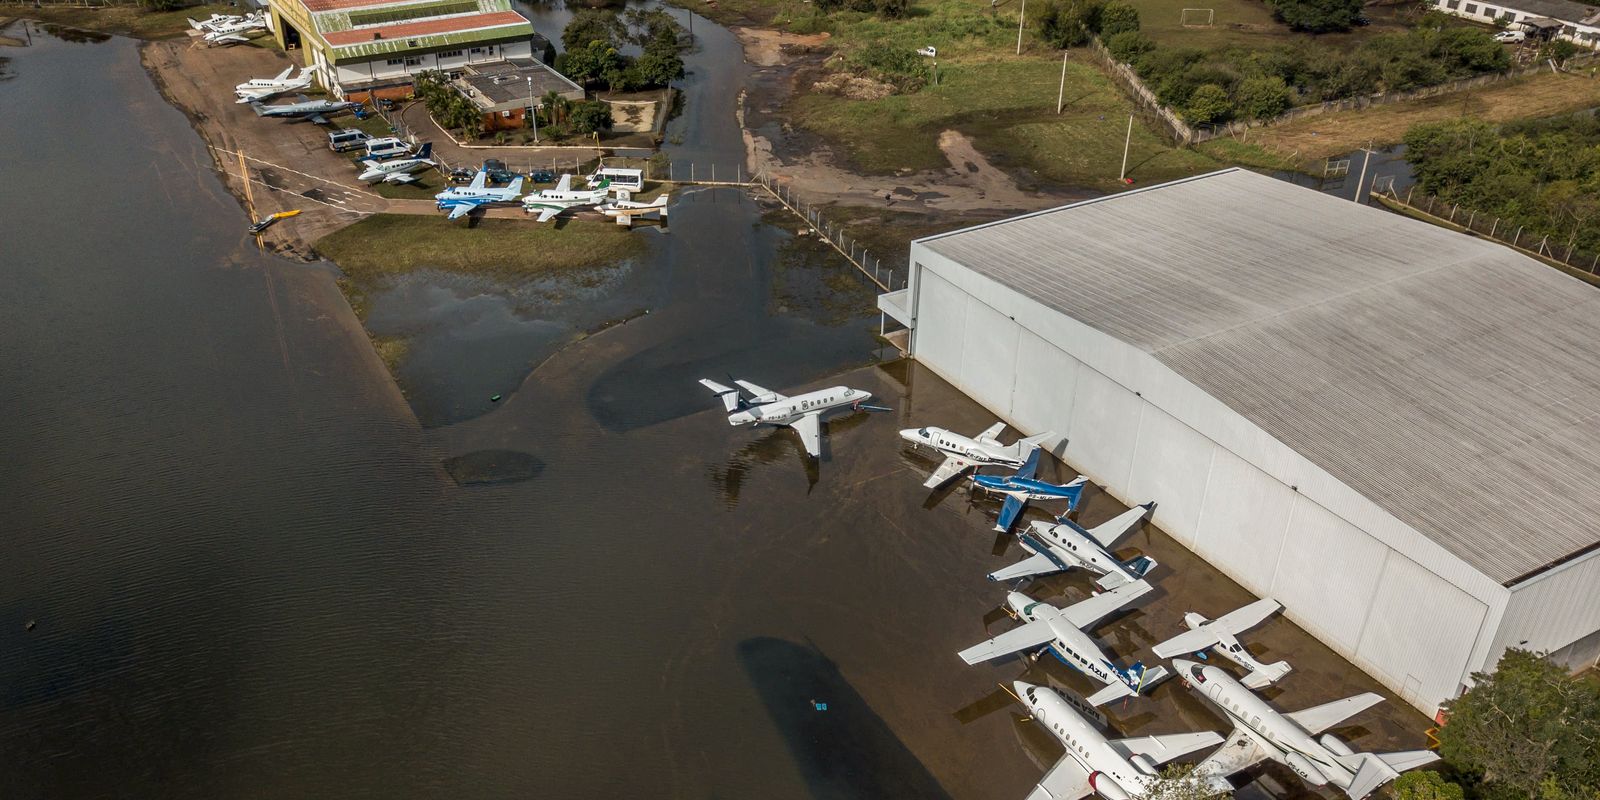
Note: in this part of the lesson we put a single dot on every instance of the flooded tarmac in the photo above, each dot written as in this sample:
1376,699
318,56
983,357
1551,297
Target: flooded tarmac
254,572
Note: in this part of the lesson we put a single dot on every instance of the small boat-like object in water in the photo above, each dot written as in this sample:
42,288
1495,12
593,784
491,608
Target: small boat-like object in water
266,223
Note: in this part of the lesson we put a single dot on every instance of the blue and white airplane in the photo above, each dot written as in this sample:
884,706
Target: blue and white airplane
1020,487
1061,631
1061,546
463,200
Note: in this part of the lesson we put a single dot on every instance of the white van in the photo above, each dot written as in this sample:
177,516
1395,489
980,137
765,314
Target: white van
388,147
629,179
346,139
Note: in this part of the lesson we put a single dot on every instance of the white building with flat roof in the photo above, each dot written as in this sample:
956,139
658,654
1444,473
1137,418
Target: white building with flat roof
1389,427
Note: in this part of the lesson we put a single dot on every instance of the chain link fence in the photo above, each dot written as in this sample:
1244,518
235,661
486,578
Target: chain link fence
1550,247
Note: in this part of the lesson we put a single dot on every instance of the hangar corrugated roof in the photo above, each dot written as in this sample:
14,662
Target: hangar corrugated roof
1450,380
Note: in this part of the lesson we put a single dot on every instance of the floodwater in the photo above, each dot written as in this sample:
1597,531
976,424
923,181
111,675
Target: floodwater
236,564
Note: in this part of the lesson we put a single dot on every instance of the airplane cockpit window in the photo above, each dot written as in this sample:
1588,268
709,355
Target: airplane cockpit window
1197,674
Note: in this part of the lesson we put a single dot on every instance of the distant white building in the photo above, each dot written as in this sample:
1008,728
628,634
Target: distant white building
1387,426
1564,19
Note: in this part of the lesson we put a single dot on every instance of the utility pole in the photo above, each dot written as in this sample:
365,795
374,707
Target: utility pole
1021,15
1126,142
533,111
1061,94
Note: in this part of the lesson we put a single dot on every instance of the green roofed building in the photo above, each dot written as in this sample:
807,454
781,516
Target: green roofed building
367,46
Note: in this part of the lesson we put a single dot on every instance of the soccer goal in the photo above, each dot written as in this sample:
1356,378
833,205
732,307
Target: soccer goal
1198,17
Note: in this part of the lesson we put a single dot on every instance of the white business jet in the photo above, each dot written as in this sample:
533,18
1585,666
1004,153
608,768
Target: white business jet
1260,732
1115,769
962,453
803,412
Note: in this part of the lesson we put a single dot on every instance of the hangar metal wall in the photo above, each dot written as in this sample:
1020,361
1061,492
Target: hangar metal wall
1557,611
1218,480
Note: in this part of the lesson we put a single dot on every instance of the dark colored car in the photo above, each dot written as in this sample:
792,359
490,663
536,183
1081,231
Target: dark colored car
542,176
461,175
385,104
498,172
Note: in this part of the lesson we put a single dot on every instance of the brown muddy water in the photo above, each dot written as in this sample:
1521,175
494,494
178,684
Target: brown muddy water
234,564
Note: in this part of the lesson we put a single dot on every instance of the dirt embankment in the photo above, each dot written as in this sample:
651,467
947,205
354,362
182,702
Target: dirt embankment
788,64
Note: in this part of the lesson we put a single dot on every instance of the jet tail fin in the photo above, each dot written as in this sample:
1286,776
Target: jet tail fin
193,23
255,105
1267,675
1031,443
426,151
1371,772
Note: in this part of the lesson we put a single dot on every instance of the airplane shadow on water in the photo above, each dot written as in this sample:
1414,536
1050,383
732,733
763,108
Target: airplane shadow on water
846,751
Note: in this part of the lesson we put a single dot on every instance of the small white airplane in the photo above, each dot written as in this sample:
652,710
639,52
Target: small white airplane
1220,636
803,412
1061,630
267,88
1115,769
551,203
463,200
1065,544
1260,732
630,208
962,453
229,30
397,170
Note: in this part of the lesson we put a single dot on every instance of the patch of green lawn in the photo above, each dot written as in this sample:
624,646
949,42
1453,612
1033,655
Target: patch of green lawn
390,244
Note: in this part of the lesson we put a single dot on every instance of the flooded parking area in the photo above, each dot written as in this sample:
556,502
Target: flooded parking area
237,563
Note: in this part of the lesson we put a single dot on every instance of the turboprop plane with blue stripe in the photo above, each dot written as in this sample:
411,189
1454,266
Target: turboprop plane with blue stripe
1021,486
463,200
1065,544
1061,631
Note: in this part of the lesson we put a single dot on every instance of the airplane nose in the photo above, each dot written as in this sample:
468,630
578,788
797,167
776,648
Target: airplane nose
1022,687
910,435
1018,601
1183,664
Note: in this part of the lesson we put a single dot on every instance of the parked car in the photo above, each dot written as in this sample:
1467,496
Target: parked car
498,172
388,147
462,175
385,104
1511,37
542,176
347,139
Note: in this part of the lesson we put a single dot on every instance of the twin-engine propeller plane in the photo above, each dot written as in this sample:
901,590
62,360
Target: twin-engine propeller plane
802,412
1065,544
463,200
1021,486
962,453
1220,635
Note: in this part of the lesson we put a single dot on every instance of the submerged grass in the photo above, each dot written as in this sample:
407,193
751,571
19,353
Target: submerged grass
390,244
128,20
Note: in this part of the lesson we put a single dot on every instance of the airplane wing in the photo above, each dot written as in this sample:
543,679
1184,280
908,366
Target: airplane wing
459,210
1111,531
1009,512
547,213
1085,613
1240,620
761,394
1239,752
1026,637
992,433
1036,564
230,37
399,177
1161,749
565,184
809,427
1065,781
1320,718
951,467
318,118
479,180
1187,642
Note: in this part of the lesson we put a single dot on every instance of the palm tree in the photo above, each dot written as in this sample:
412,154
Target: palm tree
555,107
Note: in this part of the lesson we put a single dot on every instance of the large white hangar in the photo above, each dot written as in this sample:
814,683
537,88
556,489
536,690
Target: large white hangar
1387,426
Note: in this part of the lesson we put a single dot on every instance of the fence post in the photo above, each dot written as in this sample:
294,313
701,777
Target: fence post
1594,263
1494,227
1453,210
713,172
1408,193
1471,218
1518,237
1430,204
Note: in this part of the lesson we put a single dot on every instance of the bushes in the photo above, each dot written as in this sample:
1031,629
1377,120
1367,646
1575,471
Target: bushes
1262,84
1207,103
594,39
1070,23
1317,16
588,116
1118,18
899,67
1129,45
888,9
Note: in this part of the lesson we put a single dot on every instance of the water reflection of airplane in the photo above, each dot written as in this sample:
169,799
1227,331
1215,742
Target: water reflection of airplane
769,449
754,405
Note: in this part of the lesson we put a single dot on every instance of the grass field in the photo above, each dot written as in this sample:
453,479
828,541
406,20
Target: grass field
387,244
1007,105
1542,95
1249,23
121,20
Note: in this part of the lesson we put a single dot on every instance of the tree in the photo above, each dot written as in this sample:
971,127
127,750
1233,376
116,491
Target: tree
1118,18
658,69
892,9
1426,785
1182,782
1208,103
591,25
1528,728
1069,23
1263,97
589,116
1129,45
1318,16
